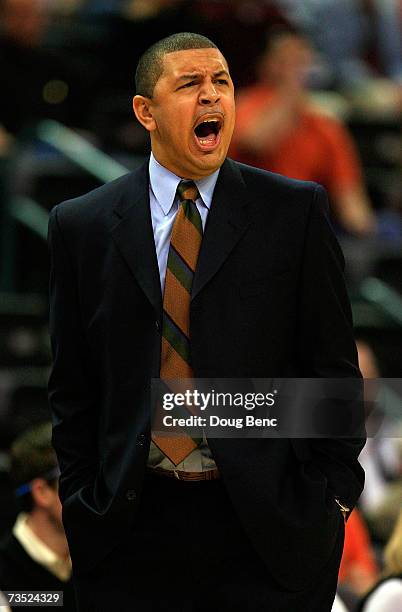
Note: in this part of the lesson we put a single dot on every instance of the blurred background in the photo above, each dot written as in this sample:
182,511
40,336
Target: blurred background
319,88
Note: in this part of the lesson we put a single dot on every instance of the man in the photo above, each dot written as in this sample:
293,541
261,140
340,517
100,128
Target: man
223,523
280,129
34,556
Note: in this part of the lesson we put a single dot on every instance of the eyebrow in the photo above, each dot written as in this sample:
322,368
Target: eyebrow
194,75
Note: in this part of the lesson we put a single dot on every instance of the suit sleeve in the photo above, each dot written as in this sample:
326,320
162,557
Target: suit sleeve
71,392
327,348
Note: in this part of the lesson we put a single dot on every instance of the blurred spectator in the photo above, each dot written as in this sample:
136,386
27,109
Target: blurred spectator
239,29
34,555
386,596
358,568
379,456
359,39
35,82
382,517
279,129
381,459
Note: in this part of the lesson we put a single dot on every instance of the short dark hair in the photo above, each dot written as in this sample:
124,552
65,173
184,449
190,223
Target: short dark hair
150,65
32,456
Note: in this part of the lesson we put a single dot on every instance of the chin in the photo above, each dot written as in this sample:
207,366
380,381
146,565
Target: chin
214,159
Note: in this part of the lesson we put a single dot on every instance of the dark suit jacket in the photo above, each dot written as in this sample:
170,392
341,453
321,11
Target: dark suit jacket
268,299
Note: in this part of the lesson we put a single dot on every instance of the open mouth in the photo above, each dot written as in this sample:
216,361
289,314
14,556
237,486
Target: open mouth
208,132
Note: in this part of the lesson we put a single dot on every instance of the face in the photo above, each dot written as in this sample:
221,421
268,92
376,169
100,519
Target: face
288,61
46,498
191,114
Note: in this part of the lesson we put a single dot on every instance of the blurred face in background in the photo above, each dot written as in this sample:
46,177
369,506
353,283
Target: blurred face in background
46,498
25,21
191,114
287,61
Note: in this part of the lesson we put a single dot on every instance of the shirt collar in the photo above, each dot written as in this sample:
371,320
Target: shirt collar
164,185
39,551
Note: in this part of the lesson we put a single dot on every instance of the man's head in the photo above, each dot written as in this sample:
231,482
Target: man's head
185,99
34,472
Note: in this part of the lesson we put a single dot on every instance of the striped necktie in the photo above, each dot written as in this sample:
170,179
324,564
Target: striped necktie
185,245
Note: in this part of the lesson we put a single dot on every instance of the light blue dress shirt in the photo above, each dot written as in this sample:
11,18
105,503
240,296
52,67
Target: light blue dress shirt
164,206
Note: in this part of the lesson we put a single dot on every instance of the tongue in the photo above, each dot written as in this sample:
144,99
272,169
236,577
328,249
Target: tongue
205,133
209,138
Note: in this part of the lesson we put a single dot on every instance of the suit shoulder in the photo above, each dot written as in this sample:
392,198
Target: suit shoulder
98,201
262,181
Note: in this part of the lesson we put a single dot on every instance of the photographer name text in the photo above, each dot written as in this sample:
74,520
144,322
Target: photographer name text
216,421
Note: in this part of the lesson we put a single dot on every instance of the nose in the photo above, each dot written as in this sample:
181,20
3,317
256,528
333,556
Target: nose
209,94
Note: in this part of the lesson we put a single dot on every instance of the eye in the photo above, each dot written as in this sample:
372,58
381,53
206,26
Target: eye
222,81
189,84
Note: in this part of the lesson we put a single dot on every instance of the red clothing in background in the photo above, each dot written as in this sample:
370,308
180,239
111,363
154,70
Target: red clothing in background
357,550
319,148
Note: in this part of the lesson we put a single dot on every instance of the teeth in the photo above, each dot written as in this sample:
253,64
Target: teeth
209,121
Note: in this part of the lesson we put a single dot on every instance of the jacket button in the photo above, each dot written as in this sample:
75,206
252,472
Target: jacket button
131,494
158,326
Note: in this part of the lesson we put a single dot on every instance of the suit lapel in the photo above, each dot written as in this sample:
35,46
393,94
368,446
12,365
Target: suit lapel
227,220
134,237
133,234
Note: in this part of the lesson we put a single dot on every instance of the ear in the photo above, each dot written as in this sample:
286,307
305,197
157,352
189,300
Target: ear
142,109
40,492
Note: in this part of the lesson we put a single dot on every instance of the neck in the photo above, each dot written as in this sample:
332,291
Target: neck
48,532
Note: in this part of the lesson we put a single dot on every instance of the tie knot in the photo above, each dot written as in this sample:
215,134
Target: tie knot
187,190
